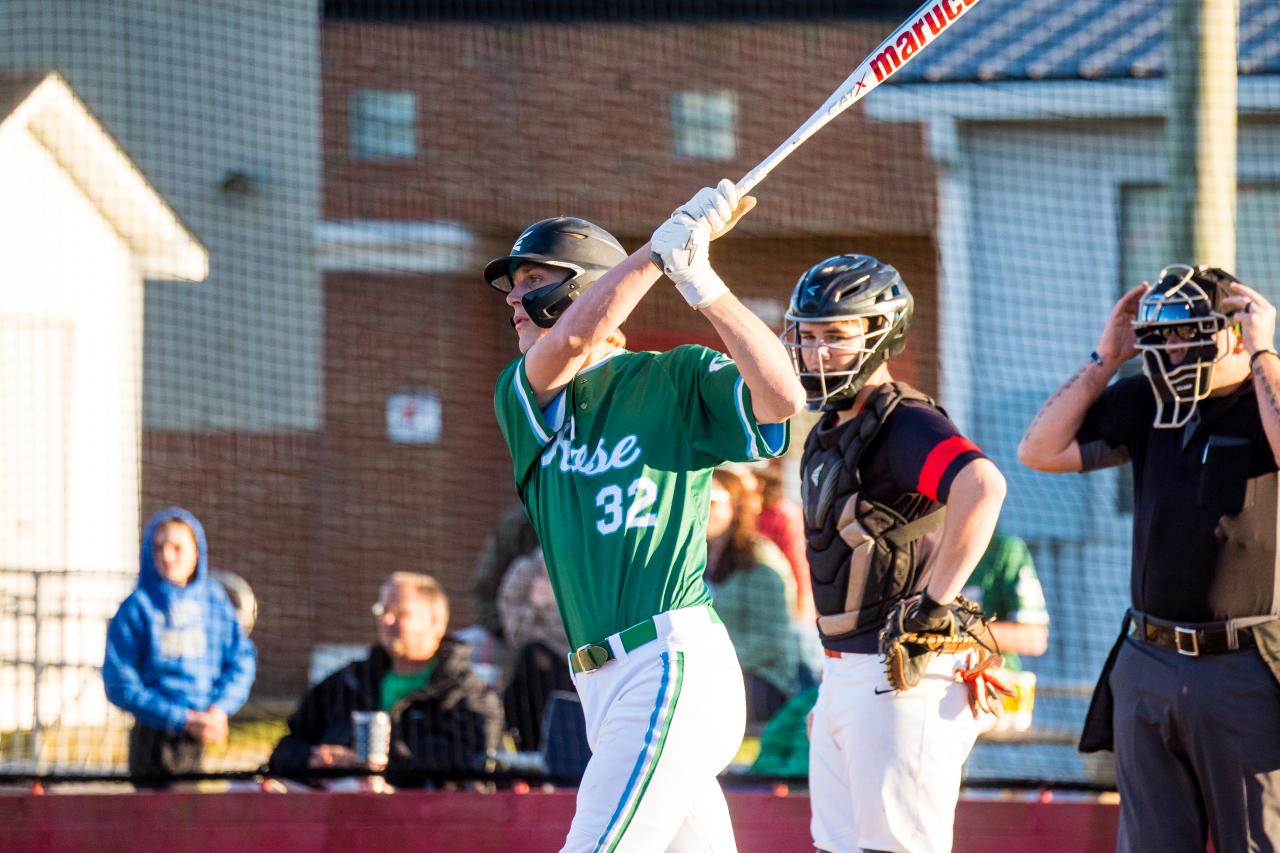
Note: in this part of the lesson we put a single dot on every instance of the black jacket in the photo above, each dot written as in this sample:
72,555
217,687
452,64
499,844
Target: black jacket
449,727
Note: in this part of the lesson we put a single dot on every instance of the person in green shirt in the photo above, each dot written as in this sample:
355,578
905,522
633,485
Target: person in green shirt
1005,583
612,454
444,718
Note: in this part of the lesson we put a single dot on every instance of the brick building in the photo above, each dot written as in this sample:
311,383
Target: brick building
500,124
441,138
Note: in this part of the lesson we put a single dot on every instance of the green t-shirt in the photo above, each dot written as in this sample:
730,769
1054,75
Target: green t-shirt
395,687
617,488
1004,583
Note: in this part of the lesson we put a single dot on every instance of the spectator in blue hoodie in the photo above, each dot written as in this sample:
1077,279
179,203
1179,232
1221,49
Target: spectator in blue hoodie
176,657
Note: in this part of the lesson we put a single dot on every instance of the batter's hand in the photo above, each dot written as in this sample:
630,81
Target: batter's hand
719,207
680,247
1118,342
1255,315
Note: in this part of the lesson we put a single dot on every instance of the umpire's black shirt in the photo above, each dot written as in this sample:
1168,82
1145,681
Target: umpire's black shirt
1204,519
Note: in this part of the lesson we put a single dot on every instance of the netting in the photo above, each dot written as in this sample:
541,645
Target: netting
240,254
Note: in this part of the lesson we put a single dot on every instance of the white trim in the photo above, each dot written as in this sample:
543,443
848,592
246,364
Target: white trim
377,245
530,410
740,403
593,365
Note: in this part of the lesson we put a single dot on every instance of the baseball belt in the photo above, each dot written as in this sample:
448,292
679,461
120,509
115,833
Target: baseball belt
592,656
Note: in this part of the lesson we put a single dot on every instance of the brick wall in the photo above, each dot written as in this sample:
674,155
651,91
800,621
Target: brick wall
518,122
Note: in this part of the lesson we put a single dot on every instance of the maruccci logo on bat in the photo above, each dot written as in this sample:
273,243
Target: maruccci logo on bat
916,34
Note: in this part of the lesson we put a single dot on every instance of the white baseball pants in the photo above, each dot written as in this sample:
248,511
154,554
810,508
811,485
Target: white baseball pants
662,722
884,767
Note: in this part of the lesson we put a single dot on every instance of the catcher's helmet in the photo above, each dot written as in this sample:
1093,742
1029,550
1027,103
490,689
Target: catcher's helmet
586,250
1182,313
848,287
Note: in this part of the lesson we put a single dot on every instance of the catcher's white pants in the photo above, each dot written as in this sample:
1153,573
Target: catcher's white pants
884,767
662,722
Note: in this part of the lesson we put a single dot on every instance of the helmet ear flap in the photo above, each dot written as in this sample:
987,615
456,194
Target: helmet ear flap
545,305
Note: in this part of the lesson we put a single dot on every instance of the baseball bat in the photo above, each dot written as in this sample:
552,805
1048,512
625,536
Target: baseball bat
902,45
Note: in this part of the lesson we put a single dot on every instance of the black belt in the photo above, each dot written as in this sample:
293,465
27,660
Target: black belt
1200,638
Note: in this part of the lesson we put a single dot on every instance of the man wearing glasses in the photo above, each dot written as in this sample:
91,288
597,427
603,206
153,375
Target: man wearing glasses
1188,699
444,719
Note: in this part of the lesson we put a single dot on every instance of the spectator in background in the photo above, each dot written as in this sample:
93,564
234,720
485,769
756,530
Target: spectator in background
243,601
782,522
753,591
1005,584
511,537
176,657
539,648
444,719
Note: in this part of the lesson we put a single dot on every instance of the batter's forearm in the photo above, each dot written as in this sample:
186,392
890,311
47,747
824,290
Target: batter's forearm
1050,441
606,305
776,392
552,362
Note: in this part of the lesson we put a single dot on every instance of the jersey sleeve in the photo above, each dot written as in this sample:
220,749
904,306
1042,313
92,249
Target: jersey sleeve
526,430
715,406
926,451
1106,437
1013,591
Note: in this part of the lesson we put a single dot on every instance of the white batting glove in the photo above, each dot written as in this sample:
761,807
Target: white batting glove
719,207
679,247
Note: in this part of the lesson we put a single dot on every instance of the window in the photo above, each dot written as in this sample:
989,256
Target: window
704,124
383,124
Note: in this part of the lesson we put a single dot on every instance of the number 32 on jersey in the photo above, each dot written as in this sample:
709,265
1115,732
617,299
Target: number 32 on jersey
640,496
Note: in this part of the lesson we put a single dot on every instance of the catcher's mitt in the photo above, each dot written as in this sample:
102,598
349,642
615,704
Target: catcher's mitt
910,638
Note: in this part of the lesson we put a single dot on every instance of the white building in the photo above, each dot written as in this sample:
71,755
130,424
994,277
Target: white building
81,229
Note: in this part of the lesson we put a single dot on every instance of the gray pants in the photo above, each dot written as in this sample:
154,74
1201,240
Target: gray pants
1197,750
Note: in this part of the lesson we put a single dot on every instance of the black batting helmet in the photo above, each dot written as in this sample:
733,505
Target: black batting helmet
848,287
586,250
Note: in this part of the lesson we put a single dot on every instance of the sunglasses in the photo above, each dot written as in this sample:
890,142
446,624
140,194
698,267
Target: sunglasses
1184,333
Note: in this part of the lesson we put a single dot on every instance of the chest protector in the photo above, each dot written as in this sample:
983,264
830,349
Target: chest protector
863,554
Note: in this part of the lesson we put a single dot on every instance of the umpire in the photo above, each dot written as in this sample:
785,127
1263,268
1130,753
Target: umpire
1188,699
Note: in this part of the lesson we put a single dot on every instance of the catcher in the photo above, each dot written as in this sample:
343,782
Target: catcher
898,510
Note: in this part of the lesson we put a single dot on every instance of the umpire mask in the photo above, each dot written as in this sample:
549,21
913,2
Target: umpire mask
1177,333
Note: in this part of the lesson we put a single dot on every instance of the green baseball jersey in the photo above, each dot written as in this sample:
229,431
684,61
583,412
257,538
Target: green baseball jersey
615,476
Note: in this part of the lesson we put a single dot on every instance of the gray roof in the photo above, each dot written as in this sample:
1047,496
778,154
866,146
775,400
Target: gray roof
1085,39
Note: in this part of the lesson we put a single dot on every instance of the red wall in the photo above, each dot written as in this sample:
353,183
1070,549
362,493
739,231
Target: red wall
294,823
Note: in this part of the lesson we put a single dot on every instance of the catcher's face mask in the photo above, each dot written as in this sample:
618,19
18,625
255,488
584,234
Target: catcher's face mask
834,360
1177,330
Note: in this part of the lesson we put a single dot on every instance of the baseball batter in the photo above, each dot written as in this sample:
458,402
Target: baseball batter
612,452
897,504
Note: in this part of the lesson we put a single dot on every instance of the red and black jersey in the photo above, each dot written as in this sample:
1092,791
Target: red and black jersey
907,465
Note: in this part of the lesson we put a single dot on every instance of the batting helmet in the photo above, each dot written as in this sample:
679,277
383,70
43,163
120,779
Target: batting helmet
1181,315
586,250
848,287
